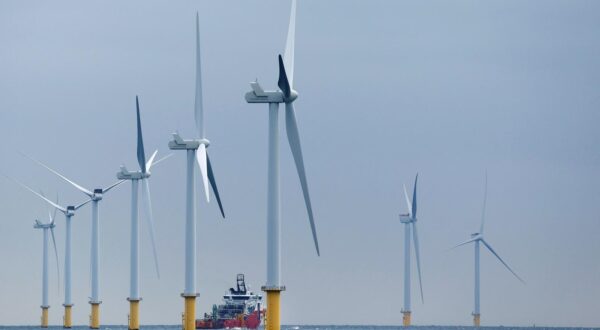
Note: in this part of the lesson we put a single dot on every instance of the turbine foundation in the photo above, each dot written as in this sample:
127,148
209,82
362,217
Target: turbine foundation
95,317
67,320
406,318
273,315
476,320
134,314
45,316
189,314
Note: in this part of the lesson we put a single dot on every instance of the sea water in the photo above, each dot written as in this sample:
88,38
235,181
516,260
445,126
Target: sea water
303,327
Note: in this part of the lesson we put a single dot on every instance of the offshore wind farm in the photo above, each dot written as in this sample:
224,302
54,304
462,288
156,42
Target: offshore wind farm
99,98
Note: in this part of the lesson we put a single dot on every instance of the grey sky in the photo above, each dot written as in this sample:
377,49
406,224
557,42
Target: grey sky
387,88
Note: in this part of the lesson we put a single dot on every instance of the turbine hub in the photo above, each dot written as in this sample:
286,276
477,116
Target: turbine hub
204,141
70,211
293,96
97,196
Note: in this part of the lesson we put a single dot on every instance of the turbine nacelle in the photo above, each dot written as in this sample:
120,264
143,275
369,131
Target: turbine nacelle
124,174
39,225
180,144
405,218
258,95
476,236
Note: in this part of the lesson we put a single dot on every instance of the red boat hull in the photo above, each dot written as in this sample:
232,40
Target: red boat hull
250,321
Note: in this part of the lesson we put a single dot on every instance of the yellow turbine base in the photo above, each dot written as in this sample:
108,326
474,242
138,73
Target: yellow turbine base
189,316
476,320
406,319
134,314
273,321
95,317
44,317
67,320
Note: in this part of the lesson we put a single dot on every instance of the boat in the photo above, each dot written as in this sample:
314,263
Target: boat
241,308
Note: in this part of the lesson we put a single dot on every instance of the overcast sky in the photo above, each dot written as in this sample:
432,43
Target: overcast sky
387,89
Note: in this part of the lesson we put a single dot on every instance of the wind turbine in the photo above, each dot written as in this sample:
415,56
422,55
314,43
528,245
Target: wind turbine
95,196
69,212
196,152
286,94
142,175
409,220
48,226
478,239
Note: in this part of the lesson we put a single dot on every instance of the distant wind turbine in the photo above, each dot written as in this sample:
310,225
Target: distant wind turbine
46,227
69,212
95,196
477,238
410,220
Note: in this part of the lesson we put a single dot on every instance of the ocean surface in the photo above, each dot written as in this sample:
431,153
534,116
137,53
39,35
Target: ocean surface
295,327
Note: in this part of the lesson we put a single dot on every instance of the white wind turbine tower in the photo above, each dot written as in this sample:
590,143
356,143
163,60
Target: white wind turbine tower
69,212
286,94
95,196
196,152
410,220
46,227
142,175
478,239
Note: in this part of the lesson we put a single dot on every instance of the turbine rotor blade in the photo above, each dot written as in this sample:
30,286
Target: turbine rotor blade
408,204
107,189
56,254
141,155
283,82
463,243
502,261
201,159
150,161
416,242
213,184
198,111
414,200
294,140
54,216
49,210
82,204
80,188
150,222
289,45
56,206
160,160
484,204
